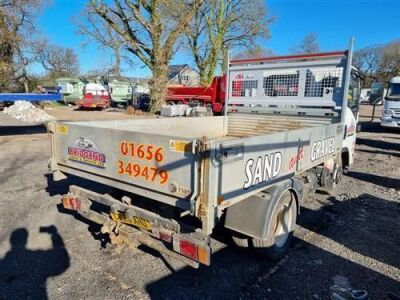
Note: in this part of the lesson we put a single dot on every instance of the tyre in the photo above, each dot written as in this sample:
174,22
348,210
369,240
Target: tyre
280,230
338,174
240,240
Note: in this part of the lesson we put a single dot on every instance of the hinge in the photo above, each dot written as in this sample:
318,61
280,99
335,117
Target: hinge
203,144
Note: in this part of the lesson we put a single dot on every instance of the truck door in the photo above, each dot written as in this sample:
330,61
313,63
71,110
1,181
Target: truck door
353,95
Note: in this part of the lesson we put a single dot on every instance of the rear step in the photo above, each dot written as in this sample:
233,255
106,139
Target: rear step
149,229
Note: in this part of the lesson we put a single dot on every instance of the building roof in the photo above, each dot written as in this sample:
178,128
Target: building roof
174,70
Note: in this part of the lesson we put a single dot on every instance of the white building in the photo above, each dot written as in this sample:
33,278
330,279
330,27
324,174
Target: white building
183,75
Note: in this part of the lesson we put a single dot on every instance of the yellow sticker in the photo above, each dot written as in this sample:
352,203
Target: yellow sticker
63,129
179,146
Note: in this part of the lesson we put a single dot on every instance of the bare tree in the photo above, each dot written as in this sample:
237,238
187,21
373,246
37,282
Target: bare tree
24,57
309,44
150,29
367,59
379,62
58,61
254,52
389,65
16,31
98,31
7,49
220,25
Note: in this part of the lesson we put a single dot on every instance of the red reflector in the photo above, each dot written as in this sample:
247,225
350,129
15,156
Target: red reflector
188,249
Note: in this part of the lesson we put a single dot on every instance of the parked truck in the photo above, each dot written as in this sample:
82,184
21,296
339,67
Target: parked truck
95,95
212,96
289,129
104,92
391,104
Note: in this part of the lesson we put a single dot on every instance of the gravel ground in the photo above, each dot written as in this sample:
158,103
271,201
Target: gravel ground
350,239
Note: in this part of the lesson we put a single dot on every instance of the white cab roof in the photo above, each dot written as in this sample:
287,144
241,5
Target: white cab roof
395,79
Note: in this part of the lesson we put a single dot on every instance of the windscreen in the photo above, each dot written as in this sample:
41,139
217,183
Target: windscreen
394,92
353,94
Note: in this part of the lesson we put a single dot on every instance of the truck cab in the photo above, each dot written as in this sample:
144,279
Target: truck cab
391,107
351,119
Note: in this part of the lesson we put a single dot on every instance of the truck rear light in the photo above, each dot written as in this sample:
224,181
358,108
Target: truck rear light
192,250
188,249
71,203
203,255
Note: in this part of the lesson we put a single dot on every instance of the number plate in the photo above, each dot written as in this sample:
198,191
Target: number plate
136,221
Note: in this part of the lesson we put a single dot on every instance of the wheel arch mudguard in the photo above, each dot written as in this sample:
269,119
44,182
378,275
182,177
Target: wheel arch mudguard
345,157
253,215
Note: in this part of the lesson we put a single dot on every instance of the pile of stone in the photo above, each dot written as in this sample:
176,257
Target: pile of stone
27,112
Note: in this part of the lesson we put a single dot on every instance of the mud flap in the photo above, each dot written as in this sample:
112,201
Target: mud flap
251,216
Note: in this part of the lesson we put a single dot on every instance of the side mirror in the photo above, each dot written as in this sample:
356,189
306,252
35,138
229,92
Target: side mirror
377,91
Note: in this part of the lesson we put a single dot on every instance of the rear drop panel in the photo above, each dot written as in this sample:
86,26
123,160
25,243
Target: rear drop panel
155,162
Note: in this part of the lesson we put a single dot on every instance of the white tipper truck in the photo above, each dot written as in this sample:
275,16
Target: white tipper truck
391,105
289,130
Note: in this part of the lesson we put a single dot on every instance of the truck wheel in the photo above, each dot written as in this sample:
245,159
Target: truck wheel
240,240
339,174
280,231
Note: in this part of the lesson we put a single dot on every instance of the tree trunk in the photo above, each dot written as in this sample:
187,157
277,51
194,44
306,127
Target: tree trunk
211,70
6,64
117,65
158,87
224,62
26,85
203,78
212,66
207,74
5,76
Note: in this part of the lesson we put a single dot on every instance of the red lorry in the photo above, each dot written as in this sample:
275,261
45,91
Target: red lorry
95,95
212,96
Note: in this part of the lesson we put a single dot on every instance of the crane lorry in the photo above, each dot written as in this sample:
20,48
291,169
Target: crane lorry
289,129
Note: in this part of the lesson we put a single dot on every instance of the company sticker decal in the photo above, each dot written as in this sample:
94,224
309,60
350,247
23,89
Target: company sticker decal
295,158
174,188
322,148
351,130
85,151
263,169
